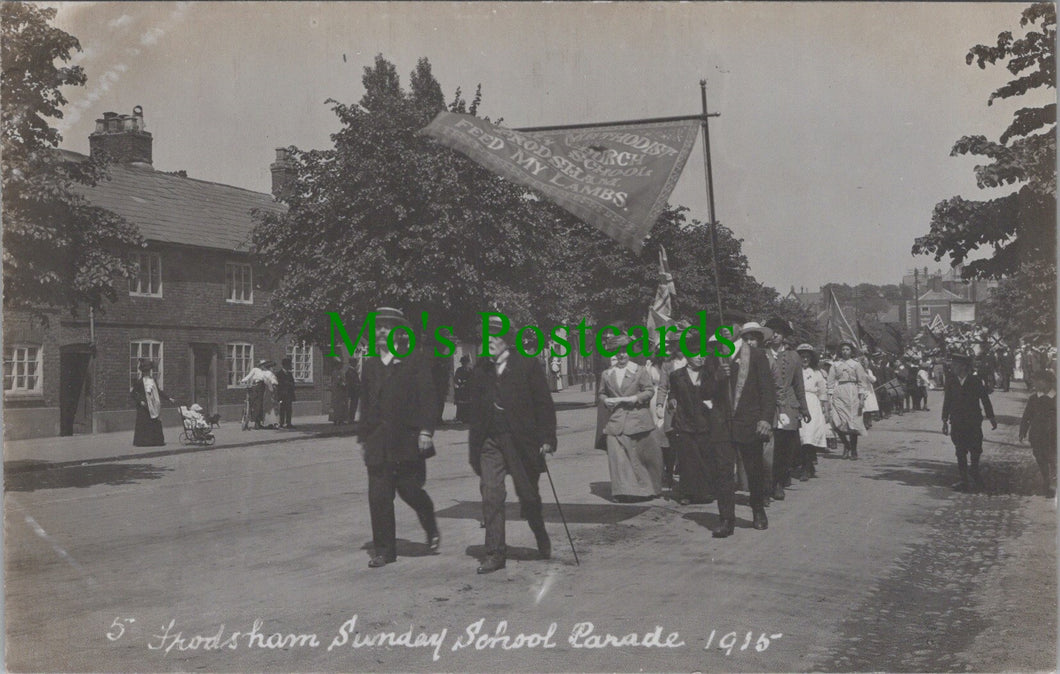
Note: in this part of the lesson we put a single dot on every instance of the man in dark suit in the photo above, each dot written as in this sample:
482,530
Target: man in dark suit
690,393
353,389
513,426
741,420
285,392
962,418
396,431
786,366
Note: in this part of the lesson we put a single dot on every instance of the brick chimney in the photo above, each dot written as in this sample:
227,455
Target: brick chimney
122,137
283,173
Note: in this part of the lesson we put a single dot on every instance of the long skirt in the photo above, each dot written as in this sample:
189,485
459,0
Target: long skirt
846,410
148,431
257,402
872,404
636,465
815,432
339,405
692,459
270,412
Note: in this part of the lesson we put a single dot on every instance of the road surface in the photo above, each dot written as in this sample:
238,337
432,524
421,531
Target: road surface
254,558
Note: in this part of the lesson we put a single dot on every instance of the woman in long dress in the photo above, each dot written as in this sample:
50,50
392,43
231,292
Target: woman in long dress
814,435
847,389
148,398
269,407
633,456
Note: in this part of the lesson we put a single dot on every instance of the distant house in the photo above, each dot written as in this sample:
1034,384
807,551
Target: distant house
198,308
940,305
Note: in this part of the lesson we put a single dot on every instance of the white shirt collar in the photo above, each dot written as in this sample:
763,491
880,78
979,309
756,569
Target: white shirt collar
389,357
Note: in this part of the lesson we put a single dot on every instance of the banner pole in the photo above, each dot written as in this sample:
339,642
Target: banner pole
710,200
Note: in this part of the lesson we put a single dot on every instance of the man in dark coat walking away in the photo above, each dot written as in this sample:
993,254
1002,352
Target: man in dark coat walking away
513,426
396,431
962,418
285,392
741,421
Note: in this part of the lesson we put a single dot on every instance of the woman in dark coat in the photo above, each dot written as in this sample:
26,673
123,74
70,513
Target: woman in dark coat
148,397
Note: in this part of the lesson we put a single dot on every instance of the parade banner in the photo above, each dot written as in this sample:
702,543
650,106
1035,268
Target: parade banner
616,178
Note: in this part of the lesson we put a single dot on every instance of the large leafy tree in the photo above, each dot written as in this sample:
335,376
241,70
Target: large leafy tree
387,216
1019,227
59,249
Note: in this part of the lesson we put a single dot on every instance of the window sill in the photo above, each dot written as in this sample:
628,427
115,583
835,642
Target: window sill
228,301
23,395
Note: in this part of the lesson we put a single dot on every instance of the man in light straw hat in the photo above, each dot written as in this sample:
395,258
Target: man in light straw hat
743,420
398,414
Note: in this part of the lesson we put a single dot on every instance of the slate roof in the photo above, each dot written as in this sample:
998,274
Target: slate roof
173,209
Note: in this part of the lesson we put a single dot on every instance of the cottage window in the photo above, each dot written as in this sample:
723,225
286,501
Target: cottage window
147,279
22,370
239,359
239,283
301,356
146,349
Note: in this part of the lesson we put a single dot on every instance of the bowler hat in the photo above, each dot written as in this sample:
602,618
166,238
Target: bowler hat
780,325
616,342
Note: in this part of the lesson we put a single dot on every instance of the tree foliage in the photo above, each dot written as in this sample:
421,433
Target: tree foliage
387,216
59,250
1020,228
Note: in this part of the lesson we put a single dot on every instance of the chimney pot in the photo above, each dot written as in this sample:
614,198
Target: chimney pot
122,138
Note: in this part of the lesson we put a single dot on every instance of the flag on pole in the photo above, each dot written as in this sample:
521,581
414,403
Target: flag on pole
661,309
837,319
936,324
616,178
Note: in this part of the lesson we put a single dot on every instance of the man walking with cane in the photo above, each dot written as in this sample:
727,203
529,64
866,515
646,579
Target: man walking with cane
513,426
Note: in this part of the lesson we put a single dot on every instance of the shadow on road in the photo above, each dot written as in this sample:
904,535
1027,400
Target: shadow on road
576,513
405,548
80,476
513,552
1001,476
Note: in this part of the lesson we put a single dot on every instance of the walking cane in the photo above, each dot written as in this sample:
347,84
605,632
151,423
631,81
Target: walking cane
560,508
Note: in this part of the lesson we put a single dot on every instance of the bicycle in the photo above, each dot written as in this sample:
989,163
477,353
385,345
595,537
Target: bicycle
245,424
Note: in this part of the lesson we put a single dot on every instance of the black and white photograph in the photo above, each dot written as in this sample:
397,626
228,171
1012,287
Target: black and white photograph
529,336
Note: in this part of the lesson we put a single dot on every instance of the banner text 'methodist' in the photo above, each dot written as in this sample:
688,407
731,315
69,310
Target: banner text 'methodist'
400,340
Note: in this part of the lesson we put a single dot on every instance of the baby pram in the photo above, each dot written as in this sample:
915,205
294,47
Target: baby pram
195,432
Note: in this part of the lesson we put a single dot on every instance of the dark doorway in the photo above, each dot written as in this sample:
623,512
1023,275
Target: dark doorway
75,389
204,376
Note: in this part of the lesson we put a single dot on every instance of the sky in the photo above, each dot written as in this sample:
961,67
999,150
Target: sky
831,149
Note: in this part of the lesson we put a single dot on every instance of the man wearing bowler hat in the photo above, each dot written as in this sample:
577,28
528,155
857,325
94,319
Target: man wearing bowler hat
962,418
741,420
398,414
513,426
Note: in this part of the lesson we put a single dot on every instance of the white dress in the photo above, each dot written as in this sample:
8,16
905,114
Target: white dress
871,403
815,432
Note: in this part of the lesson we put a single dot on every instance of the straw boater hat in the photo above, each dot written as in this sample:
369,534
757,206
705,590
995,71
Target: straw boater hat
753,326
390,316
805,347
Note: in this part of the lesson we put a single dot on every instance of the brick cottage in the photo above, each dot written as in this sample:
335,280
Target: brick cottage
197,307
